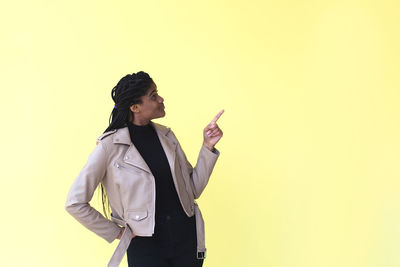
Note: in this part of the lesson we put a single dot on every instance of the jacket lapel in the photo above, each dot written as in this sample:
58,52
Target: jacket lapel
132,155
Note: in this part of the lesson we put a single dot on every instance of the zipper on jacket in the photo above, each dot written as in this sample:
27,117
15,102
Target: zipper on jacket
133,170
187,193
186,186
154,202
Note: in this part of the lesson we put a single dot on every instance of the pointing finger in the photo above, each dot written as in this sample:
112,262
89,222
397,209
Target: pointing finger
217,117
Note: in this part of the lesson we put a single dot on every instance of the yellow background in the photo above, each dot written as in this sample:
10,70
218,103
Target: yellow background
309,169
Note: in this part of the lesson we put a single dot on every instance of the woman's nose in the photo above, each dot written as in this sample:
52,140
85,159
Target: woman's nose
160,100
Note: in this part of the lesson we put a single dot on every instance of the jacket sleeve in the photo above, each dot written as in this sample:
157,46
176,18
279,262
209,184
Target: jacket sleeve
200,174
81,193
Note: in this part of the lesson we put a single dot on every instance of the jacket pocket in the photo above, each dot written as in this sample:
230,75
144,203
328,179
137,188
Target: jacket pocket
140,222
136,215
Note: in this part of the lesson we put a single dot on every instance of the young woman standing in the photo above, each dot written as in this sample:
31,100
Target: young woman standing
147,182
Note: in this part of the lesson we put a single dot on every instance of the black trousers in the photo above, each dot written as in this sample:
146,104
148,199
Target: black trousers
174,244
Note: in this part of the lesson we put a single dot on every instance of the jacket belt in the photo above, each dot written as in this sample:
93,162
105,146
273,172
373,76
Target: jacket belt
201,248
122,245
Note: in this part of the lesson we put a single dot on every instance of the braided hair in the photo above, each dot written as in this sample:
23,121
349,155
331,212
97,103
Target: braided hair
126,93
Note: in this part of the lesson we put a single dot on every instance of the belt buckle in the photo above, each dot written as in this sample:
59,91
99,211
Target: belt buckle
201,255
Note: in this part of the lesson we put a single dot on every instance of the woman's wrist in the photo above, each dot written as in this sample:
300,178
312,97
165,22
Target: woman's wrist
209,147
121,232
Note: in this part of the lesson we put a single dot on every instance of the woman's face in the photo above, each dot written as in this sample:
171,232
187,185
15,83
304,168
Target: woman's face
152,106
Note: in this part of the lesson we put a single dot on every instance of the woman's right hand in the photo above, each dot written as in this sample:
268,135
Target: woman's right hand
121,233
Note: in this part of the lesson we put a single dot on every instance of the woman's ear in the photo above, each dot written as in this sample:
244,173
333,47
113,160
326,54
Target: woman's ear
134,108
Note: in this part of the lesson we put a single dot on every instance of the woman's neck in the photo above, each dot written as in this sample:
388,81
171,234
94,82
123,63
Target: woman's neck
139,122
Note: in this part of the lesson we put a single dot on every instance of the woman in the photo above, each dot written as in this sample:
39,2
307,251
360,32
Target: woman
147,182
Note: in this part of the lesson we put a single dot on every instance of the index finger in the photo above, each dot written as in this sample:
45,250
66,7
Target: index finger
217,117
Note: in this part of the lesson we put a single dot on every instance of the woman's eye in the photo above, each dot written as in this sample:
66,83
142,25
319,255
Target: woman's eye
153,97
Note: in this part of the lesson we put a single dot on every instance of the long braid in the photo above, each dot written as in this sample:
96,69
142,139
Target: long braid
126,93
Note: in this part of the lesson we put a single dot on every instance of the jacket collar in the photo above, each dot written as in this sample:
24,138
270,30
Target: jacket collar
122,134
132,155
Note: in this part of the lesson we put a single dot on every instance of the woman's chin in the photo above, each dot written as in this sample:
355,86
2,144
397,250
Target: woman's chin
162,114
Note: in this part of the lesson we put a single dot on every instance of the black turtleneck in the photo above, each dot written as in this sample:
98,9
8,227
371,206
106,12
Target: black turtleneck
148,144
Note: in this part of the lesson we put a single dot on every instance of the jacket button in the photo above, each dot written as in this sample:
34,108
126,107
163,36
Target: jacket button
126,157
137,217
117,165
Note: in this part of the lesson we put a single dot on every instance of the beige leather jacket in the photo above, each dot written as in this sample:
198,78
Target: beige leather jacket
130,187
